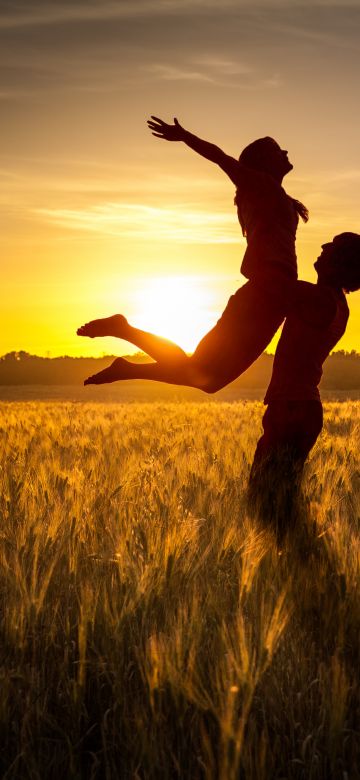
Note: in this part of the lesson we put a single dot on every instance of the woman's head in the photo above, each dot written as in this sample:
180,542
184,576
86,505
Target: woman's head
266,155
339,262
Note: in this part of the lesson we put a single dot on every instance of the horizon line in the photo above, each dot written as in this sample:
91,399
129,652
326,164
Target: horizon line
17,353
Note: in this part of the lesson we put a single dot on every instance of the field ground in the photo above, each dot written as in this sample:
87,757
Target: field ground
150,628
145,392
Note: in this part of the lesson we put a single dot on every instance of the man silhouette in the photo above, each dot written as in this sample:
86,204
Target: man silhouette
293,419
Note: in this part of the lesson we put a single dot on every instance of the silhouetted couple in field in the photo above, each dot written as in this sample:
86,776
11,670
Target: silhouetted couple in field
315,314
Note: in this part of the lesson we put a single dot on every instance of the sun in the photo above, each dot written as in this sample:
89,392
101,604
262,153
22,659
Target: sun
179,308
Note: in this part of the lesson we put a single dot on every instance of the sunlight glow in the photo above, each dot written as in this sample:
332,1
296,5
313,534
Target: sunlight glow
178,308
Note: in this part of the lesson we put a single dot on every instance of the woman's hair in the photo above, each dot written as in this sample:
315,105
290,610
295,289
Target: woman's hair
347,260
256,156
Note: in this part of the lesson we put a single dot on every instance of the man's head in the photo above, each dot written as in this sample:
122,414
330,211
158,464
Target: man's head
267,156
339,262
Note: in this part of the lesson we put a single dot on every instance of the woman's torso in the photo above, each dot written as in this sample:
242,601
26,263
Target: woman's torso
270,220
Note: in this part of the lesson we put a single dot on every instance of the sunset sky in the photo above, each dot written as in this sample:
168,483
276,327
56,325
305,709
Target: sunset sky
98,216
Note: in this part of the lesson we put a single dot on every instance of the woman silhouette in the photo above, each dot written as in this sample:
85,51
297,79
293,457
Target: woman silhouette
269,219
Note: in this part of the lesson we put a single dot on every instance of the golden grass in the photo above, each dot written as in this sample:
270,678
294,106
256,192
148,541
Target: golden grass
149,628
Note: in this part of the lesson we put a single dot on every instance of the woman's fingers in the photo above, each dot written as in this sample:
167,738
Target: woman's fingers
155,129
161,129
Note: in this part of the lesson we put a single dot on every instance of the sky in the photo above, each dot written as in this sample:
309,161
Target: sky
98,216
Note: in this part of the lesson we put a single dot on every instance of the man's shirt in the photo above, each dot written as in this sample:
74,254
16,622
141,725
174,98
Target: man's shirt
317,320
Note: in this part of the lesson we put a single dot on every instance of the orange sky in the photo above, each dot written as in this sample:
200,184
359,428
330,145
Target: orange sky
97,216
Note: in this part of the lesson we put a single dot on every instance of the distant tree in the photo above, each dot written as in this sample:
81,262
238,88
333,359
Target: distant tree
10,357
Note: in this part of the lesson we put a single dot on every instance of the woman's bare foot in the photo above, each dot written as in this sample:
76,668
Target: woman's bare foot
107,326
119,369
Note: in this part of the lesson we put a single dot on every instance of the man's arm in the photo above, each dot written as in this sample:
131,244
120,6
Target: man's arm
211,152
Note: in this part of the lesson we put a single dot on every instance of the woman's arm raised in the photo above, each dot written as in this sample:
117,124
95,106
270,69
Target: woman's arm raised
176,132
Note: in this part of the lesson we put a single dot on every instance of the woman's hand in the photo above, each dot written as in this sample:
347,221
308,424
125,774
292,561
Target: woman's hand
176,132
168,132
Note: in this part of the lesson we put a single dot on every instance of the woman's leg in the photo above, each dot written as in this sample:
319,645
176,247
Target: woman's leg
246,327
212,366
180,372
156,347
249,322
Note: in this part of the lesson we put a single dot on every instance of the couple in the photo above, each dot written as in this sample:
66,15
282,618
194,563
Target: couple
315,315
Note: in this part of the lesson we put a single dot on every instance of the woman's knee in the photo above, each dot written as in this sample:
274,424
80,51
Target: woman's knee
213,385
208,382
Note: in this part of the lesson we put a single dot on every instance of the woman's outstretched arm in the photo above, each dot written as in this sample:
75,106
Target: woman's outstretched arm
211,152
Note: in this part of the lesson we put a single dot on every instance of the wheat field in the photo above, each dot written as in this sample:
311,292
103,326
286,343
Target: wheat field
150,628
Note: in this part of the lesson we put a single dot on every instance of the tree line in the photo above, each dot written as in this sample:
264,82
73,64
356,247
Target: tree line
341,370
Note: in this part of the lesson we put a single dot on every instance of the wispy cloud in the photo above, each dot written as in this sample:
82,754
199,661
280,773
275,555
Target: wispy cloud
171,73
149,223
301,31
92,46
346,175
227,67
219,73
37,13
42,12
211,69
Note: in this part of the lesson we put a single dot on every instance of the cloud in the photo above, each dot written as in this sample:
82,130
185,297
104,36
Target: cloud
342,176
26,82
171,73
90,43
36,12
224,66
302,31
143,222
215,72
